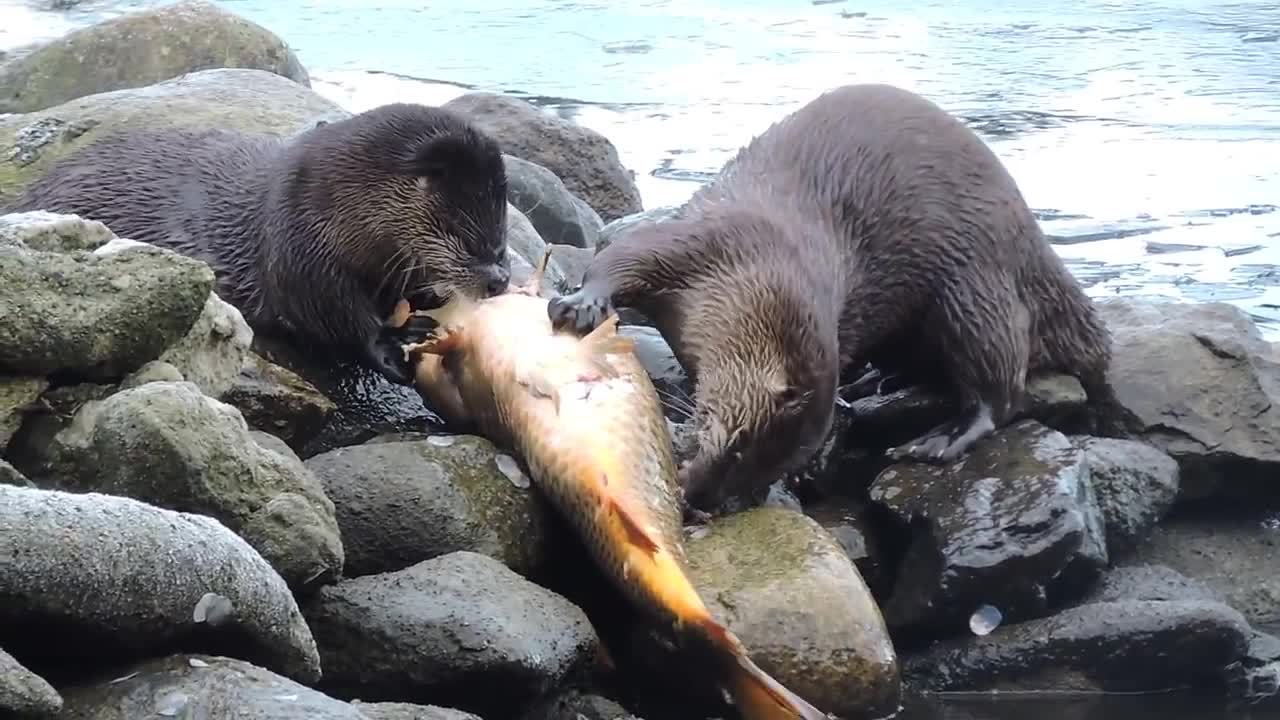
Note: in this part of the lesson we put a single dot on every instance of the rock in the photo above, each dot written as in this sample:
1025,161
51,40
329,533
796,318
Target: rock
572,261
1232,550
91,315
9,475
208,686
997,526
851,526
1149,582
448,630
166,443
525,249
100,578
23,692
1213,400
276,400
399,503
619,225
16,395
1255,678
786,588
1134,483
1098,647
52,232
405,711
664,370
212,354
556,213
576,705
245,100
584,160
141,48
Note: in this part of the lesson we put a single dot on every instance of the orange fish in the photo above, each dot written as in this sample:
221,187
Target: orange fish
583,415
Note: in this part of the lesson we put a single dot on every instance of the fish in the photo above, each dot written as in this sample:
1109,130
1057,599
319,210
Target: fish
583,415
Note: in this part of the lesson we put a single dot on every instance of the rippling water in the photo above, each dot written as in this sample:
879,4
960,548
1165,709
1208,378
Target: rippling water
1146,133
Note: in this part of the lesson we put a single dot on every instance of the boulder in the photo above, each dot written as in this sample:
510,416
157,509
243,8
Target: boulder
577,705
525,249
93,314
558,215
450,630
617,226
17,394
276,400
997,526
1213,399
786,588
584,160
24,693
1134,483
406,711
209,686
399,503
100,578
168,444
9,475
141,48
245,100
212,354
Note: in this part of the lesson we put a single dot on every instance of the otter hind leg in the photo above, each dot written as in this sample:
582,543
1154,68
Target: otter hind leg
983,339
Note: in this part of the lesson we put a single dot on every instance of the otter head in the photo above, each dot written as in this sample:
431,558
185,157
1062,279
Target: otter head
766,369
430,191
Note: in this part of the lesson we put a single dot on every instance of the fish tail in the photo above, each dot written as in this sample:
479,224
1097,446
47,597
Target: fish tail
755,693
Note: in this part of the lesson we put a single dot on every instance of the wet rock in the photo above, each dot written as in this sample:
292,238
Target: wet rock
1149,582
16,396
556,213
619,225
94,315
245,100
998,526
166,443
577,705
212,353
399,503
787,589
1231,549
584,160
100,578
138,49
526,248
1134,483
405,711
448,630
9,475
1096,647
851,526
208,686
276,400
1213,400
23,692
1255,678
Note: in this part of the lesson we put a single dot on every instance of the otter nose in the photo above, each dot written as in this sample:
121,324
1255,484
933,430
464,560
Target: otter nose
496,279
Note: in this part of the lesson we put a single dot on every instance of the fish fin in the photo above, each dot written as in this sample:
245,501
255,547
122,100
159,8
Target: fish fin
756,695
636,535
533,285
597,345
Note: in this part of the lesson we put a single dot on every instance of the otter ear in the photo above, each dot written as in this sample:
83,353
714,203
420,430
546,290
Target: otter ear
437,157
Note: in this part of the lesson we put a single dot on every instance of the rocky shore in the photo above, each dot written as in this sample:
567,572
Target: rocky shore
195,520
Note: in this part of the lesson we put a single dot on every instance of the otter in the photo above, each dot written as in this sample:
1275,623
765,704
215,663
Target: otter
867,227
313,237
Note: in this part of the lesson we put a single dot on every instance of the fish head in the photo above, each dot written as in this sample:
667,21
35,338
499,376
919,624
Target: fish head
760,414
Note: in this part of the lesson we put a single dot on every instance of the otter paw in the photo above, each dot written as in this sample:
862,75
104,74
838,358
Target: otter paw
418,329
948,441
386,353
581,311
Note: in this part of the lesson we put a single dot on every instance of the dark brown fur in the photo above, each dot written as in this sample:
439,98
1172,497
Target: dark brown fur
315,236
867,226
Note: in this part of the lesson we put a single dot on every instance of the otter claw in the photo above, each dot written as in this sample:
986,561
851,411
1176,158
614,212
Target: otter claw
581,311
386,352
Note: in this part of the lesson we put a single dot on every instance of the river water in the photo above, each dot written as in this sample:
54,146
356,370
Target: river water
1145,133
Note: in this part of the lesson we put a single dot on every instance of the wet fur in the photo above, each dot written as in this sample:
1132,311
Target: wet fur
868,226
316,236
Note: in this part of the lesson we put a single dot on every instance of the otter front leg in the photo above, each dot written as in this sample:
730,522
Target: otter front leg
384,350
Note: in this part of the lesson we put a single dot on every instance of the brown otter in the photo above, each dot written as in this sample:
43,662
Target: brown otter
867,226
315,236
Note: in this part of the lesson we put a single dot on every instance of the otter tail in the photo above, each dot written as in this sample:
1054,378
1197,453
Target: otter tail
756,695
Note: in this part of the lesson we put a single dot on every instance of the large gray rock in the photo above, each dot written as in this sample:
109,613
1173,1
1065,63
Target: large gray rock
208,686
141,48
997,526
399,503
24,693
586,161
93,315
91,576
246,100
277,400
1135,485
558,215
618,226
1212,400
449,630
168,444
